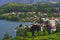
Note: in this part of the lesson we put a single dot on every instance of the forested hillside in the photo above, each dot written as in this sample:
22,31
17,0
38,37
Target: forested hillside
19,7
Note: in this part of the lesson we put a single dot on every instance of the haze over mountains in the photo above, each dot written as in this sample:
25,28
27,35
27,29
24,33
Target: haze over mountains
28,1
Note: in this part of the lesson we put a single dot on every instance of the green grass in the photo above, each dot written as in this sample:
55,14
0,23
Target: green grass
48,37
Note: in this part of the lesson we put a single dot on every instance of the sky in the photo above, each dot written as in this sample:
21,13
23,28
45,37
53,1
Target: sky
23,1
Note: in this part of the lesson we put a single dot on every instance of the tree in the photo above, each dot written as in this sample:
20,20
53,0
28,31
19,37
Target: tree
7,37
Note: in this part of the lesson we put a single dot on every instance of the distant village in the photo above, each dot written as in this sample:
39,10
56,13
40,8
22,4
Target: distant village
42,15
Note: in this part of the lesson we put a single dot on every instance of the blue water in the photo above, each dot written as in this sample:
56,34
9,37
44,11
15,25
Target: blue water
9,27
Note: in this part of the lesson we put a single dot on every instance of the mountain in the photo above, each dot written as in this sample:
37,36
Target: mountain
2,2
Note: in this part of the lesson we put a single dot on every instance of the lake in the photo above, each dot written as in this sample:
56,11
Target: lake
9,27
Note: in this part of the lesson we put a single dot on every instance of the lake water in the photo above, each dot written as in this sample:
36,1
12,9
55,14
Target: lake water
9,27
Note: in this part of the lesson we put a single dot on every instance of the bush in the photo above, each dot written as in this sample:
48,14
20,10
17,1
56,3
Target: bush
53,37
41,38
35,33
58,27
7,37
21,32
46,33
28,39
58,34
41,33
44,39
29,34
19,38
36,39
